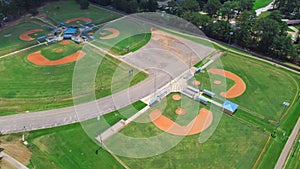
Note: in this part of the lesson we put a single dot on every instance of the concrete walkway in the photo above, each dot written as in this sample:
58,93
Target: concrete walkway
12,161
289,144
264,9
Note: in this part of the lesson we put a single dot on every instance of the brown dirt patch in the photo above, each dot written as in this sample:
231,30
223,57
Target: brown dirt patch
59,50
217,82
78,19
16,149
91,33
38,59
25,36
201,122
176,97
196,83
180,111
237,89
114,33
65,42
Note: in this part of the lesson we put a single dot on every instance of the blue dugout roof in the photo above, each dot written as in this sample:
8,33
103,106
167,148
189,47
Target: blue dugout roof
228,105
203,99
70,31
207,92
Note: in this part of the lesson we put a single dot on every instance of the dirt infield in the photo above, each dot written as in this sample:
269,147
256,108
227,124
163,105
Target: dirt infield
237,89
196,82
25,36
65,42
217,82
38,59
201,122
114,33
78,19
176,97
180,111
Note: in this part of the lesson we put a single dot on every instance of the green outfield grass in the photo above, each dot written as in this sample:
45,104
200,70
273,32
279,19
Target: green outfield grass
133,35
23,82
10,40
70,147
233,144
266,85
261,3
64,10
294,160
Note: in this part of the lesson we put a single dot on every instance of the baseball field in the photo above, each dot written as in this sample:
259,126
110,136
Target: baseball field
67,11
41,78
12,37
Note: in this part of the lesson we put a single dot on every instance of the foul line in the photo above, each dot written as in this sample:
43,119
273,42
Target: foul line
261,153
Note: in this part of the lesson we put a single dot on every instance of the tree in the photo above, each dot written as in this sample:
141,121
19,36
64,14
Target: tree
190,5
220,30
84,4
244,28
102,2
152,5
132,6
212,7
282,48
229,9
246,5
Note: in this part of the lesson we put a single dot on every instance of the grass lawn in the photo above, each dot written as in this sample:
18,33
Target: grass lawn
22,79
266,85
133,35
261,3
70,147
64,10
10,40
297,26
290,30
294,159
232,145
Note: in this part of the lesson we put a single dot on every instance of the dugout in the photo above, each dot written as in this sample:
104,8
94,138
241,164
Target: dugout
208,93
229,107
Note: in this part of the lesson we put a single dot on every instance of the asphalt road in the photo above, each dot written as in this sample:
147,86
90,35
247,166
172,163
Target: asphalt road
162,64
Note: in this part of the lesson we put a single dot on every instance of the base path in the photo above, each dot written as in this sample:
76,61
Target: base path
78,19
201,122
237,89
113,33
25,36
38,59
176,97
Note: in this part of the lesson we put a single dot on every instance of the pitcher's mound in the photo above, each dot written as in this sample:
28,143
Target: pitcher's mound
196,82
217,82
64,42
180,111
59,50
176,97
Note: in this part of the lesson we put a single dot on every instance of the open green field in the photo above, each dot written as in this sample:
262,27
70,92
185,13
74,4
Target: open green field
10,40
261,3
70,147
266,85
294,158
232,145
64,10
133,35
23,82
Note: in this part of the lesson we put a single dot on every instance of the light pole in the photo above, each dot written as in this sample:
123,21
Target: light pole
285,105
230,33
